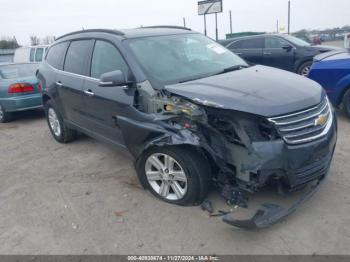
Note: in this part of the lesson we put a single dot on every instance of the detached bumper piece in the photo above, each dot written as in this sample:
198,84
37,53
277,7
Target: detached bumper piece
270,213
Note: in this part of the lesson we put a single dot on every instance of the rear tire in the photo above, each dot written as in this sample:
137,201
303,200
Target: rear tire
304,69
190,173
60,131
346,103
5,117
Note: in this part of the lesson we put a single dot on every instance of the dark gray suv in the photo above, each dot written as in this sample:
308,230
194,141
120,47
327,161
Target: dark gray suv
191,113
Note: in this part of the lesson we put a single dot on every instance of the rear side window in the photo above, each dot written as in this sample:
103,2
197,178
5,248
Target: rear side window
39,54
32,54
106,58
77,57
254,43
56,54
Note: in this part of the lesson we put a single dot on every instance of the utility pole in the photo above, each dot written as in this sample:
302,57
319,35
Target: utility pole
205,25
184,22
216,26
278,27
231,22
288,17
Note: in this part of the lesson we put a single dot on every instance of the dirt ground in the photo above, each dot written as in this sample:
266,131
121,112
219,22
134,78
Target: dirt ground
84,198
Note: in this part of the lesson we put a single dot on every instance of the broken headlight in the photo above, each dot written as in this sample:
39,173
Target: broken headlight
261,130
177,105
267,130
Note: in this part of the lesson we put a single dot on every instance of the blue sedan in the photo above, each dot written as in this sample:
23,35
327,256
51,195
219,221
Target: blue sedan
19,89
332,71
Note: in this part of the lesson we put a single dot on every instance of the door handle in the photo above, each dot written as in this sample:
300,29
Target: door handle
89,93
266,53
59,83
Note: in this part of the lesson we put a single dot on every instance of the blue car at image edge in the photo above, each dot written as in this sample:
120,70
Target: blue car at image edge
332,71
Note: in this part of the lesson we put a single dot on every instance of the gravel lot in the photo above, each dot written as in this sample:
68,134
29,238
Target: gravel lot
84,198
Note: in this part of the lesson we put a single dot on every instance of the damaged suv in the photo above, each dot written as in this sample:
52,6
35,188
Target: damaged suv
191,113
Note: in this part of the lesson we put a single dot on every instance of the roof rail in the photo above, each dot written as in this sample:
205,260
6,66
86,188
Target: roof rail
116,32
168,26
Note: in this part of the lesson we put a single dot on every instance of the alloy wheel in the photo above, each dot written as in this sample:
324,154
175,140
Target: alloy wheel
166,176
306,70
2,113
54,122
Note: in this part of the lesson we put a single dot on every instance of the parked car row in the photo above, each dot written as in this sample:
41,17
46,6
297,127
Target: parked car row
280,51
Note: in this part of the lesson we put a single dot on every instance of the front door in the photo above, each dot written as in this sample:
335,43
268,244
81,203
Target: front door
102,104
278,53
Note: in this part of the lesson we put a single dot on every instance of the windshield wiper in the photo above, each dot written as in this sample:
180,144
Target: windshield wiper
231,69
226,70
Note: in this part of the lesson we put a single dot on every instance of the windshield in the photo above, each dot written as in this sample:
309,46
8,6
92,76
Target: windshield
296,41
17,71
177,58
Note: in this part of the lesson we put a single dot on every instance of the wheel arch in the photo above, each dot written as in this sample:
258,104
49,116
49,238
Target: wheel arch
302,62
45,98
343,86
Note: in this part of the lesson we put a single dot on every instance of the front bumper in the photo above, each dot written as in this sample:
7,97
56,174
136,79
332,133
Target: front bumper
21,103
295,165
271,213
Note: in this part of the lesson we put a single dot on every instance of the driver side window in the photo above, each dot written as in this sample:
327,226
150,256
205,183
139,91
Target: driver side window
272,42
106,58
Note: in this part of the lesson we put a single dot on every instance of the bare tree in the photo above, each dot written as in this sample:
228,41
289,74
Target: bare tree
47,40
34,40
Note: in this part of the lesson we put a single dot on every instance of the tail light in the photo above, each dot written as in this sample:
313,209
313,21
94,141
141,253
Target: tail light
20,88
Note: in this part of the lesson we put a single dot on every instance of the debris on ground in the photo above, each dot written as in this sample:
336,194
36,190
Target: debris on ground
221,213
234,196
120,213
207,206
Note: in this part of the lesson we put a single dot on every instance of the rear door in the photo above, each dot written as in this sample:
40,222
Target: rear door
102,104
70,81
250,49
277,54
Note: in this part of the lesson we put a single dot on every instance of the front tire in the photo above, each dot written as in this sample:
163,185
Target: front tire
60,131
176,175
304,69
5,117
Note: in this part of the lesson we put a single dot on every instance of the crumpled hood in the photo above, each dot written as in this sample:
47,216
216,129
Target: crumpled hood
258,90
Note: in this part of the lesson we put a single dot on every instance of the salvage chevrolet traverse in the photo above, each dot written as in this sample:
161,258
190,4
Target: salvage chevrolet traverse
190,112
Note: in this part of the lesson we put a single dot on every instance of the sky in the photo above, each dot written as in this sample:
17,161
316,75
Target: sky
23,18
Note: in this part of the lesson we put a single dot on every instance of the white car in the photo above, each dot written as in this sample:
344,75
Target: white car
347,40
29,54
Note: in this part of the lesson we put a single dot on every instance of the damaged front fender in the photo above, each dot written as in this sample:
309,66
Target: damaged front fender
141,134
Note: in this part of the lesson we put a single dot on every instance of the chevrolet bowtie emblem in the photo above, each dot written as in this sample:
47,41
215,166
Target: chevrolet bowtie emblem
321,120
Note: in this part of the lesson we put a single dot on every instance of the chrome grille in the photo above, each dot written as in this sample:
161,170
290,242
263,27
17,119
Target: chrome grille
305,126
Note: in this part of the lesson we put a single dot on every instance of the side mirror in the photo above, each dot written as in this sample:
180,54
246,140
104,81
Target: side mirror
287,48
114,78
